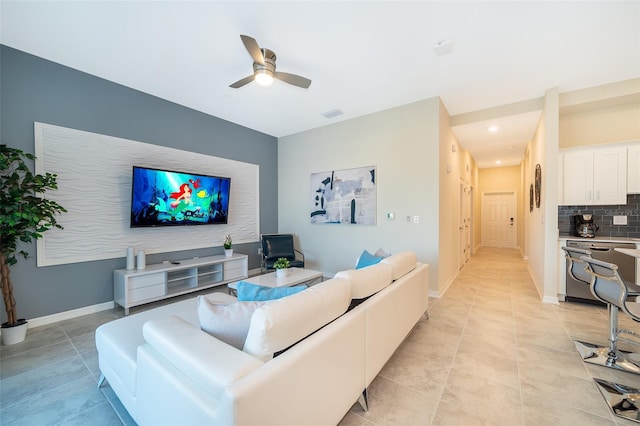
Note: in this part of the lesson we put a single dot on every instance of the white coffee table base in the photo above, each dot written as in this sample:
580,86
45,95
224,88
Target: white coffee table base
294,276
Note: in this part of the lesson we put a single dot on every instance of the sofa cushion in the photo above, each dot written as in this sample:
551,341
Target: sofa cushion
117,341
401,263
283,322
251,292
367,259
226,322
367,281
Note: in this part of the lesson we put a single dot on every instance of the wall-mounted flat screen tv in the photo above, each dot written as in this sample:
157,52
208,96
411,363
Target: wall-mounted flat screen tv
170,198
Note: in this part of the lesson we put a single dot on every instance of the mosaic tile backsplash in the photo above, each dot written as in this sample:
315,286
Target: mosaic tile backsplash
603,216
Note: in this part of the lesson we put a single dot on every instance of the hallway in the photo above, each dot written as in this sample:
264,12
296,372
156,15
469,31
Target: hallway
492,354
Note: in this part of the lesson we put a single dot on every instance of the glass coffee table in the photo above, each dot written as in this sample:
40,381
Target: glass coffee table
294,276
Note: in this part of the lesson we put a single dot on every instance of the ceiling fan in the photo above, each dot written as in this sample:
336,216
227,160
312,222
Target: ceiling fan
264,67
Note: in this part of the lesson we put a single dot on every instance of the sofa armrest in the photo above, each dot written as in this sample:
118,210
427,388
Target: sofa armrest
199,356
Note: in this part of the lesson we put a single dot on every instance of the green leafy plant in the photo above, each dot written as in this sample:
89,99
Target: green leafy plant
227,242
24,215
281,263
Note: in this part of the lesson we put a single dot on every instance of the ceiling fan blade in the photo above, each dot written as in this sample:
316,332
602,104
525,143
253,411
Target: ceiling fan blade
242,82
252,47
294,79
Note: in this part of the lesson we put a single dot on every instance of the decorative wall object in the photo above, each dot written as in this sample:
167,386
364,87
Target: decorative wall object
531,198
94,184
538,181
344,196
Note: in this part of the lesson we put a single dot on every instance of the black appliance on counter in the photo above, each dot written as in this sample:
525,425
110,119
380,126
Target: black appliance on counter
583,226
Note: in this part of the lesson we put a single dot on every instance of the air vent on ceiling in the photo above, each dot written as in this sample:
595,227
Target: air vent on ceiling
333,113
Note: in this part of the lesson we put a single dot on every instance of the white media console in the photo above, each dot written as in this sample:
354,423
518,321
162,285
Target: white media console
164,280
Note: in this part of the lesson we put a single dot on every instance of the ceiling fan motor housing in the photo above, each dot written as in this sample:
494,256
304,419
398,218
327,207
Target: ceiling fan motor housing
269,65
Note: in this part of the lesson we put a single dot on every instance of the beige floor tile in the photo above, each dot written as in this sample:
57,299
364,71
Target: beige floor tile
477,397
532,355
545,411
393,404
566,389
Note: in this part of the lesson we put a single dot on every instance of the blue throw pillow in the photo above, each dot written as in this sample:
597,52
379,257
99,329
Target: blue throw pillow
248,292
367,259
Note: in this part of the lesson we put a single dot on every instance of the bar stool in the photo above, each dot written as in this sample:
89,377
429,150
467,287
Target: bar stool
577,269
609,287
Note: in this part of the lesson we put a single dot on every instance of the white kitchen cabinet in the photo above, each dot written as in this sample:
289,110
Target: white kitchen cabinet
595,176
633,168
160,281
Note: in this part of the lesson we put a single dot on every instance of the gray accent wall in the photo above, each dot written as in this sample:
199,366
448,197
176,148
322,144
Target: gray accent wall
33,89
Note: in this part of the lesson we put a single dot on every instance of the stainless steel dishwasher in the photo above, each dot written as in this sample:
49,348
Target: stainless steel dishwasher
580,292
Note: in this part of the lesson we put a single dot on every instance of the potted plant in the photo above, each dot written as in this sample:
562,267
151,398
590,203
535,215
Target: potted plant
228,251
281,265
24,215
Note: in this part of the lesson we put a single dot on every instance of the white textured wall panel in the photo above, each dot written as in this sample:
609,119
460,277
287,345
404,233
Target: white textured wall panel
94,185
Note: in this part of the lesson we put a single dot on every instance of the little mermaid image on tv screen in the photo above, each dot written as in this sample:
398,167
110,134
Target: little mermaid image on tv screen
170,198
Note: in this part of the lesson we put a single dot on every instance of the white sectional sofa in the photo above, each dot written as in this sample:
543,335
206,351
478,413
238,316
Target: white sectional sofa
304,361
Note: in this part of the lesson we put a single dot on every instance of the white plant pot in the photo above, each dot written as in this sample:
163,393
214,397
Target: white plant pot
228,252
282,273
13,335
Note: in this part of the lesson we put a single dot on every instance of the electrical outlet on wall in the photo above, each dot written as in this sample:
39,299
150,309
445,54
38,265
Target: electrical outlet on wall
619,220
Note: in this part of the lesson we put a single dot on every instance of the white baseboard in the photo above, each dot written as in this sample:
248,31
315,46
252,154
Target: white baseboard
74,313
434,294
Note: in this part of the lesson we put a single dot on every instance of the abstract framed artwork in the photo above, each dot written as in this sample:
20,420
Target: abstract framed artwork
344,196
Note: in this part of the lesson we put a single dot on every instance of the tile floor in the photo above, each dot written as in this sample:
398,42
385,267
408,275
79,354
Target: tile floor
490,354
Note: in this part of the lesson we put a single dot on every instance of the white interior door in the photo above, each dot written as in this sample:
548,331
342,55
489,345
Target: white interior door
499,227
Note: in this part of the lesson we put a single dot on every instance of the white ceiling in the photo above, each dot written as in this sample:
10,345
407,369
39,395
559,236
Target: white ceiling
362,56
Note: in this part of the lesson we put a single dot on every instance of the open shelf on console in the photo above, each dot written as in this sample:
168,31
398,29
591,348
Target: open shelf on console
160,281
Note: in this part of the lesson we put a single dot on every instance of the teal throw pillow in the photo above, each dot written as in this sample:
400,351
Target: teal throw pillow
248,292
367,259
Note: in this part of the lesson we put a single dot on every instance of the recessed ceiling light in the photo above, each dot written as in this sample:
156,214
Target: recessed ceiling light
493,128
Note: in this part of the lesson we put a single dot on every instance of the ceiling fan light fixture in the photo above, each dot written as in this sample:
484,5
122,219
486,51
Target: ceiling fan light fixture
263,77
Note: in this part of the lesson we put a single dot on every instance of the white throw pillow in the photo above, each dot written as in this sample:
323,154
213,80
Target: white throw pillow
226,322
381,253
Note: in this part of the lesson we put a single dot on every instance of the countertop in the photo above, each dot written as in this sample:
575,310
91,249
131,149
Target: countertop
600,239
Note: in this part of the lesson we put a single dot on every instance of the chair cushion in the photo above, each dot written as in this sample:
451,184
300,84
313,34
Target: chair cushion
252,292
283,322
293,263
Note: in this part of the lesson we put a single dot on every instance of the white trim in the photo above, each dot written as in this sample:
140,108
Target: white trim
435,294
74,313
